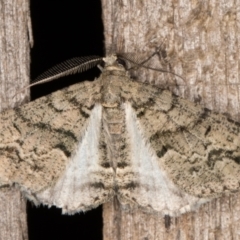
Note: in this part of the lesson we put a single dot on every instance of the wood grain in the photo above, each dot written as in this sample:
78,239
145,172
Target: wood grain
14,74
199,41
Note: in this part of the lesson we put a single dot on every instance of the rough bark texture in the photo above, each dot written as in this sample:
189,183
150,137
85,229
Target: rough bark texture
199,40
14,74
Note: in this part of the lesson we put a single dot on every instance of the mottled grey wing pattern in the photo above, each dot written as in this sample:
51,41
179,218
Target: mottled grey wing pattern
198,149
38,139
80,146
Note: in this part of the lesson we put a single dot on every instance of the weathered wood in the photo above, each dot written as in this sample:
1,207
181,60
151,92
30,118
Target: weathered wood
199,41
14,74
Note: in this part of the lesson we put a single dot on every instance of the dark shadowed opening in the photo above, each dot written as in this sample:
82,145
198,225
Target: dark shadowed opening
62,30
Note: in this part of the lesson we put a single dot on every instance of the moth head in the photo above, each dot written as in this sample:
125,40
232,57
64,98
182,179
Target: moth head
112,62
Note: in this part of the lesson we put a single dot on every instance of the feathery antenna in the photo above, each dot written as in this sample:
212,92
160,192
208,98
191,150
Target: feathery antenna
71,66
138,63
81,64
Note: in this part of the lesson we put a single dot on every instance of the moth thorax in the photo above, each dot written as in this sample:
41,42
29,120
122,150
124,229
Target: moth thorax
111,96
110,100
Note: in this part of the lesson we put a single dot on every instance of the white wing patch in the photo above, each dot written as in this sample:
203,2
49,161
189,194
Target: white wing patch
75,187
155,190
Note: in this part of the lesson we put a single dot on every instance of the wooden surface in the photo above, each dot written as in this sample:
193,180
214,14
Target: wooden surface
198,40
14,74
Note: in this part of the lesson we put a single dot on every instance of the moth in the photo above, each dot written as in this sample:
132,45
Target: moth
115,137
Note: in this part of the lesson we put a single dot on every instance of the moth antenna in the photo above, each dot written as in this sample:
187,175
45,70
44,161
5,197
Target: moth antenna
71,66
139,63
